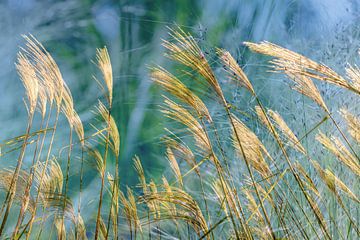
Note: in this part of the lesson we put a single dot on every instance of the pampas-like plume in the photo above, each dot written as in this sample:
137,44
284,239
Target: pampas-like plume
234,71
174,165
140,171
185,50
175,87
353,123
336,147
306,86
71,115
46,69
19,193
98,160
113,129
253,207
282,126
130,210
80,228
178,113
297,64
309,181
104,64
224,194
182,152
252,146
154,205
171,208
187,208
43,98
353,72
60,228
217,188
52,179
30,81
55,206
333,182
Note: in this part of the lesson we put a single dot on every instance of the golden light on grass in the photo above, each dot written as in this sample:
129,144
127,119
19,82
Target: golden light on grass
271,193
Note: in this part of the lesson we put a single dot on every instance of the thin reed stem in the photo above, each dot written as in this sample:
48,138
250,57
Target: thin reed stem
12,188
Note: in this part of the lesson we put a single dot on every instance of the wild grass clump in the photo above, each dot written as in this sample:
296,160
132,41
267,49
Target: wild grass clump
230,178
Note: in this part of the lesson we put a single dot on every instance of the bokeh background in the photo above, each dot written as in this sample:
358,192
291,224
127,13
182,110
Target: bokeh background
327,31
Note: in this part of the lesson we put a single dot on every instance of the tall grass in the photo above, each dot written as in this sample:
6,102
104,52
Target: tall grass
230,177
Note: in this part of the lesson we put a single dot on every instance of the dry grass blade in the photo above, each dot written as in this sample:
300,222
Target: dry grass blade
309,181
217,188
224,194
55,207
174,165
130,210
297,64
282,126
80,228
103,230
353,123
178,113
46,69
336,147
113,129
19,192
98,160
42,100
255,212
187,208
30,81
182,152
174,86
353,72
305,86
140,171
114,205
185,50
51,181
234,71
333,182
104,64
71,115
60,228
171,208
253,148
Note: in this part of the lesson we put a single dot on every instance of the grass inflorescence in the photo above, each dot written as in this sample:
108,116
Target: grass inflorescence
229,179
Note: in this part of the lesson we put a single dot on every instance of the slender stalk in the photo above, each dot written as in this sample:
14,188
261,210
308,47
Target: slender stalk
81,181
115,187
12,188
297,178
343,136
33,170
242,217
219,172
66,180
103,177
43,173
26,198
249,170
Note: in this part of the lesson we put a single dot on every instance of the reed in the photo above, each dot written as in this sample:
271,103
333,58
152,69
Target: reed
228,177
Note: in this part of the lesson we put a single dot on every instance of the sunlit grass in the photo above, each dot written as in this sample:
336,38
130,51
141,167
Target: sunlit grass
226,181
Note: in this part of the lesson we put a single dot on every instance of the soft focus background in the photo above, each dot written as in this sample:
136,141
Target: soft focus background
327,31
